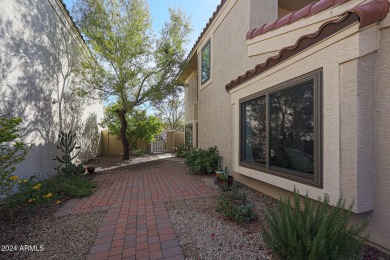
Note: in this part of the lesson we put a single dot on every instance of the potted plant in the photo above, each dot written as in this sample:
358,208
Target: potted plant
225,179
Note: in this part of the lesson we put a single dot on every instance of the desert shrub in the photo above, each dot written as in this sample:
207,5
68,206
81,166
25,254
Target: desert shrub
139,152
201,161
182,150
12,152
34,191
314,232
235,206
76,187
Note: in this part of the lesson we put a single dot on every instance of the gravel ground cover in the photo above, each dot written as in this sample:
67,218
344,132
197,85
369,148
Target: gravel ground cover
202,232
205,234
69,237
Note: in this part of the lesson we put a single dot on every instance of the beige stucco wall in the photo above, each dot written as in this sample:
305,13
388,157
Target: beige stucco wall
354,123
355,115
37,61
380,218
174,139
228,57
190,101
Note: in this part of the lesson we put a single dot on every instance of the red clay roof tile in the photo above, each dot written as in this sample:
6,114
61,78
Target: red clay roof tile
306,11
366,14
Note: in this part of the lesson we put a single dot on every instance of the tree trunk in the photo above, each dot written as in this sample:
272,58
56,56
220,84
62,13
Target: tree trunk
125,143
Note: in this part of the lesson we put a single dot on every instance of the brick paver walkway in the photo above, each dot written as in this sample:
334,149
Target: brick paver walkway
137,224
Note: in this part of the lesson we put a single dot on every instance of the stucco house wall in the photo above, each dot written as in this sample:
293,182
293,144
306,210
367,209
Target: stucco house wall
228,57
355,65
39,51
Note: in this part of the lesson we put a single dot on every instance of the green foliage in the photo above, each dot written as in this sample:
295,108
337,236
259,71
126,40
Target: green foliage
139,152
34,191
235,206
140,126
201,161
182,150
171,111
77,187
314,232
12,152
68,146
128,63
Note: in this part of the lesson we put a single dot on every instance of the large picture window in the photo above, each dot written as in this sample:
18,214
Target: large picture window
205,62
281,130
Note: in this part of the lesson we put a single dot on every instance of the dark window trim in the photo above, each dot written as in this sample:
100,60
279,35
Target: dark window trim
317,180
208,43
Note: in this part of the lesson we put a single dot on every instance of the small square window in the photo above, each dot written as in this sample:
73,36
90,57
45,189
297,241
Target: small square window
205,62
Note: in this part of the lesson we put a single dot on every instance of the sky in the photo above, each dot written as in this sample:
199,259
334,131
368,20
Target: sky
199,12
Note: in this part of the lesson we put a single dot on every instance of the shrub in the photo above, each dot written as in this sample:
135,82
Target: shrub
182,150
12,152
315,232
76,187
201,161
34,191
139,152
235,206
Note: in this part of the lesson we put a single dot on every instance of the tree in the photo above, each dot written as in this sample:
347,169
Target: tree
140,125
11,151
171,111
127,62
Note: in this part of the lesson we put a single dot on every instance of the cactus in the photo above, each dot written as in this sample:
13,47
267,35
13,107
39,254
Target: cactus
67,145
226,171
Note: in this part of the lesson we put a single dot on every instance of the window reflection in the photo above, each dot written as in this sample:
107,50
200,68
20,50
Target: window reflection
292,129
205,62
254,130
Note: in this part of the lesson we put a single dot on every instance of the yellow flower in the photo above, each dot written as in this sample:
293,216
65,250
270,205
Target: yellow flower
31,200
24,180
58,202
14,178
48,195
37,186
19,182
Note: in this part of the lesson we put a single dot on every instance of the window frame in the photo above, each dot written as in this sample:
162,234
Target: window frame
207,44
317,78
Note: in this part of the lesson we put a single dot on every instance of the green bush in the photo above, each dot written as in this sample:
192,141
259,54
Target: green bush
34,191
315,232
235,206
139,152
76,187
201,161
12,152
182,150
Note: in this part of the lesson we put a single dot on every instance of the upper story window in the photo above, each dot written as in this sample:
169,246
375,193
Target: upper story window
205,62
281,130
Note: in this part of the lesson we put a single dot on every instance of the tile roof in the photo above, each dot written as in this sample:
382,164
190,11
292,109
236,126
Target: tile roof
292,17
219,7
366,14
73,22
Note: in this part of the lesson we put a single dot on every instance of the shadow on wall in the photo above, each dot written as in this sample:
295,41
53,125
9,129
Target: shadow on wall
90,139
37,61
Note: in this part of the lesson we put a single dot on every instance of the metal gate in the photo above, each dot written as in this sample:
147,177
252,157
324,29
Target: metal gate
158,146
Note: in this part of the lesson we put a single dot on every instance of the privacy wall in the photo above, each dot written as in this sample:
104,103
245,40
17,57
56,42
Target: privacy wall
40,49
